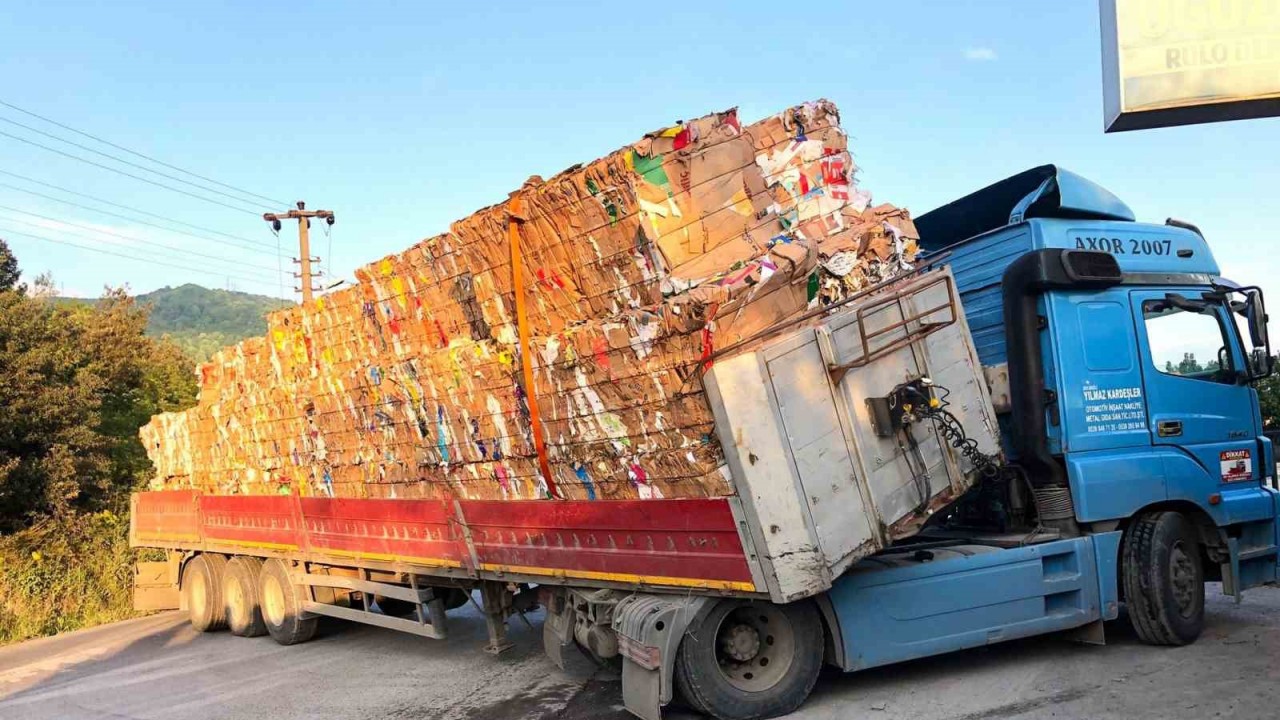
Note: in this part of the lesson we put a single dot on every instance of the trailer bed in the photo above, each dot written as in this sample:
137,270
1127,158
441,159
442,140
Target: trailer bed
677,544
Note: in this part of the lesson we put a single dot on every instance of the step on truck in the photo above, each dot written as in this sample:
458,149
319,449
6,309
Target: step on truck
1050,416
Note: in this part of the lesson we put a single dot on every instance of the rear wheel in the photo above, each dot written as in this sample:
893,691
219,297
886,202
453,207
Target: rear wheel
202,589
281,602
747,660
240,591
1164,579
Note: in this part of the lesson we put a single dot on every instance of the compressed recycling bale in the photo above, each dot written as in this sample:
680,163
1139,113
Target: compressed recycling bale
637,268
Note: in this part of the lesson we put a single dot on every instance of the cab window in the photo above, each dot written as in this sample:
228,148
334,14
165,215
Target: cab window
1189,343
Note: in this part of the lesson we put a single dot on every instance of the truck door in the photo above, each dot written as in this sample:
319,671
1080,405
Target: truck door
1198,401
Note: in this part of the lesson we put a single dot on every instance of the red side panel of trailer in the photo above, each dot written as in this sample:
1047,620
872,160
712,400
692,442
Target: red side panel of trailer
665,539
165,517
420,532
677,543
254,521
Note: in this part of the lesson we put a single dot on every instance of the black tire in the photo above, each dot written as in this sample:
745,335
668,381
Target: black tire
202,590
1163,579
454,598
748,660
394,606
281,602
241,595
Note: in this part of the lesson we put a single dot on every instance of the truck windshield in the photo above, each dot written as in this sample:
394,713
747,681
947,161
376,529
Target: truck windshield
1188,343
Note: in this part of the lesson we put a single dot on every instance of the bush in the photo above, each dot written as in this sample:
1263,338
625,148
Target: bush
65,573
77,380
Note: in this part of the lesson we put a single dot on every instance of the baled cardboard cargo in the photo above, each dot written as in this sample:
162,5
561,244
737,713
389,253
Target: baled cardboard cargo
637,267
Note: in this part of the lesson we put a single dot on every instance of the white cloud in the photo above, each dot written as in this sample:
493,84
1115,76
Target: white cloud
980,54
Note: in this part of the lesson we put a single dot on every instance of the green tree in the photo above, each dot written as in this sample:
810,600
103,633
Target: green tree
77,380
8,268
76,383
1269,400
1189,364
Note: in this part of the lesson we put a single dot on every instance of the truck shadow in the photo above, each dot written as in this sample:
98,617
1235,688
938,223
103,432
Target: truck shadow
182,674
863,693
159,666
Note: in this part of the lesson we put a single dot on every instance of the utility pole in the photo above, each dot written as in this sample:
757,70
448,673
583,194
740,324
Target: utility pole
303,216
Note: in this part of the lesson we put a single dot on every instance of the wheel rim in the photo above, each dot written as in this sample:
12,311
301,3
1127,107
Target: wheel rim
1182,576
273,601
755,645
199,593
235,597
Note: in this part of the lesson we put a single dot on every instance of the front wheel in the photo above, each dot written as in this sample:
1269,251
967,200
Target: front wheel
1164,579
747,659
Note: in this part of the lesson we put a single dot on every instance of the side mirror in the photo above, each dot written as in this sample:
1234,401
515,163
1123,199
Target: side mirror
1260,363
1256,314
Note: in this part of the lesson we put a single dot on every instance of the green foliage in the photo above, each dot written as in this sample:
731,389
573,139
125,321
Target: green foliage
76,383
1269,399
1190,366
65,573
201,321
77,380
8,268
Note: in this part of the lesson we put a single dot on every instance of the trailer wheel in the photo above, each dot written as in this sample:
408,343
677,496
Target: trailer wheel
749,660
240,591
1164,579
281,603
202,588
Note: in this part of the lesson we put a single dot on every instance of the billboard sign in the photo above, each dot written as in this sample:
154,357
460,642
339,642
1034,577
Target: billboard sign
1178,62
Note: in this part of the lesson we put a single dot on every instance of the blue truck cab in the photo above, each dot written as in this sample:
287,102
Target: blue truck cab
1133,468
1122,366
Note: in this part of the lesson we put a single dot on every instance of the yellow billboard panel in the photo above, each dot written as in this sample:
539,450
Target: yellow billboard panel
1175,62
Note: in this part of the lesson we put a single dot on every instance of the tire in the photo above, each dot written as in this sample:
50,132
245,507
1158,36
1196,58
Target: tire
394,607
748,660
241,595
1163,579
281,602
454,598
202,590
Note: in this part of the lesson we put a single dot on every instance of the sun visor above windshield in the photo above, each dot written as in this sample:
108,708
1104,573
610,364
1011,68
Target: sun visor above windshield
1047,191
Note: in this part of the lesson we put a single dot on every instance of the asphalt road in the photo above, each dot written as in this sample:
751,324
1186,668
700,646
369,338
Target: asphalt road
157,667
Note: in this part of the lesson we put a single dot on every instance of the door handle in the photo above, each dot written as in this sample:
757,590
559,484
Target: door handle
1169,428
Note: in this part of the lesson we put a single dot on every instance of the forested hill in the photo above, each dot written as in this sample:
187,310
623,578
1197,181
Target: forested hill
201,320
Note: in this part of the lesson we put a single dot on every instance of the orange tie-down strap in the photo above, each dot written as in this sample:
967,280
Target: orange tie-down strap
514,221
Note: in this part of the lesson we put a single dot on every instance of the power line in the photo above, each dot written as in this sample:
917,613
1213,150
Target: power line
121,172
134,220
151,261
280,261
138,154
94,198
131,164
267,271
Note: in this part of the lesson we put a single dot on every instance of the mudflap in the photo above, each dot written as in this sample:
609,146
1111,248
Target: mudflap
557,629
155,585
649,629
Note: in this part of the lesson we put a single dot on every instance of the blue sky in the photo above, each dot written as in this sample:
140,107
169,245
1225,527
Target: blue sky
402,117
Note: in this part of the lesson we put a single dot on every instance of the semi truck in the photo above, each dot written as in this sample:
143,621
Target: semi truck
1060,394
